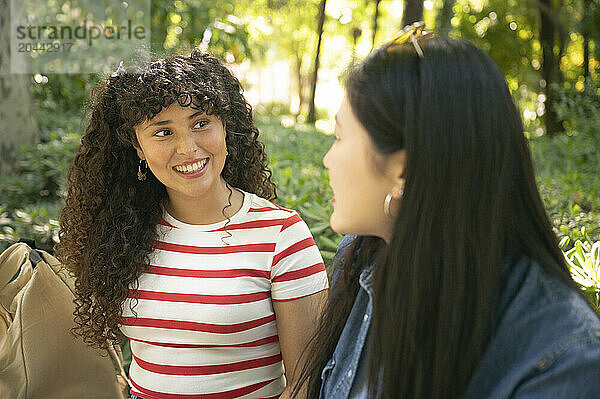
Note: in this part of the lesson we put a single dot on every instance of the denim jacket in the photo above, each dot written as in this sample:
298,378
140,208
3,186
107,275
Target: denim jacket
546,343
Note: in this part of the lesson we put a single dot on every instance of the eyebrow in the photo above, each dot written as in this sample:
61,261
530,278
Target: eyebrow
162,123
195,114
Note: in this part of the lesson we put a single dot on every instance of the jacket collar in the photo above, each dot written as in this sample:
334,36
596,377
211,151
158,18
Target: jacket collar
366,278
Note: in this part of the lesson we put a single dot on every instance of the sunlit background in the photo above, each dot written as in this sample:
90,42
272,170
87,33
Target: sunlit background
271,44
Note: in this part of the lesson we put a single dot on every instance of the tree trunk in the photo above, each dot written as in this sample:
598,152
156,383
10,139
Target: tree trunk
443,20
413,12
550,65
585,32
586,57
375,21
312,114
298,68
18,125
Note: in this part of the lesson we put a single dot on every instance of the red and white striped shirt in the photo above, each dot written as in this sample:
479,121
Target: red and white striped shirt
205,326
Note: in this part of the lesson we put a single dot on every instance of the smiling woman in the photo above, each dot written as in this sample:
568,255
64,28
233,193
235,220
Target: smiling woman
185,149
173,240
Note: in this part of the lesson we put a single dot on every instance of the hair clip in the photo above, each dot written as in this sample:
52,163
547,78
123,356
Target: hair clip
412,32
120,70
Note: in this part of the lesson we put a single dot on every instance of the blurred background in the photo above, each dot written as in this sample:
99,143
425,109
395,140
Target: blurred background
289,55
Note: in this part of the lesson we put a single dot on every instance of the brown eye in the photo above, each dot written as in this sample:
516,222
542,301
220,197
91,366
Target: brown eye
162,133
202,123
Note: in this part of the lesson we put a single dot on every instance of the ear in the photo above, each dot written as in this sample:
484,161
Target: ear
138,149
395,167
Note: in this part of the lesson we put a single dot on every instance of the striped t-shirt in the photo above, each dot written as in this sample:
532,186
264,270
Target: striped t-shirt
203,324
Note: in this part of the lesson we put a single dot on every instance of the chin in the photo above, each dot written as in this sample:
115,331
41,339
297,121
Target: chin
346,226
337,226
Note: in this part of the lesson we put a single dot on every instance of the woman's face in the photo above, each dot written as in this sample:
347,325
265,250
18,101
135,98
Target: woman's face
185,150
359,184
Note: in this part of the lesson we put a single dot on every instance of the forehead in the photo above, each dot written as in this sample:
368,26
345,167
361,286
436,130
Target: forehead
347,121
343,110
175,113
349,128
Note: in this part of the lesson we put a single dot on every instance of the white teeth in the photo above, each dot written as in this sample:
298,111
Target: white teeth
192,167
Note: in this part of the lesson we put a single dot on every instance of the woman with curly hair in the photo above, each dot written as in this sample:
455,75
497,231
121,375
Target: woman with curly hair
173,241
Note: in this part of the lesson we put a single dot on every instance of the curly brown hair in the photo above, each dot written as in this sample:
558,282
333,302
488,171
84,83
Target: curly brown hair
108,225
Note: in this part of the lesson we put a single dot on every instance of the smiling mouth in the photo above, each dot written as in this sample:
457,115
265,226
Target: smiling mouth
192,167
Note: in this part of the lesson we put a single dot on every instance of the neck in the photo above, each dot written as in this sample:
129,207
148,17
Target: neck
207,209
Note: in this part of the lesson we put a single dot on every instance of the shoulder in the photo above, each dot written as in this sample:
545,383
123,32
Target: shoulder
547,340
260,212
535,296
563,324
263,208
259,204
288,229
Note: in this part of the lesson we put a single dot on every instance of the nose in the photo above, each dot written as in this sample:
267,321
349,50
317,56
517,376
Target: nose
186,143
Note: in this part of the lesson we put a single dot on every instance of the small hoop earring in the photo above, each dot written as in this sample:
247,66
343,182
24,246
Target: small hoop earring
396,193
142,169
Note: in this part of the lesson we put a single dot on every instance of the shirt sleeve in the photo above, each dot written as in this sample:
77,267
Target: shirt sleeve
297,269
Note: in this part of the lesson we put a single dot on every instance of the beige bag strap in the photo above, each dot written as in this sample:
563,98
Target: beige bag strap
117,358
11,261
116,355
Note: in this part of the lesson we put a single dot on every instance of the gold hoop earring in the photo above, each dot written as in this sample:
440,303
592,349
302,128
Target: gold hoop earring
396,193
142,169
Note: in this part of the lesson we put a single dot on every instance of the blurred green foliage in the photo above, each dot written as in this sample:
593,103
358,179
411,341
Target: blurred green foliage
38,222
89,49
580,111
30,199
567,167
60,102
182,25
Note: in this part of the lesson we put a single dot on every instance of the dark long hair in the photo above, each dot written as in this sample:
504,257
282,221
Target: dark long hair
470,206
108,225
